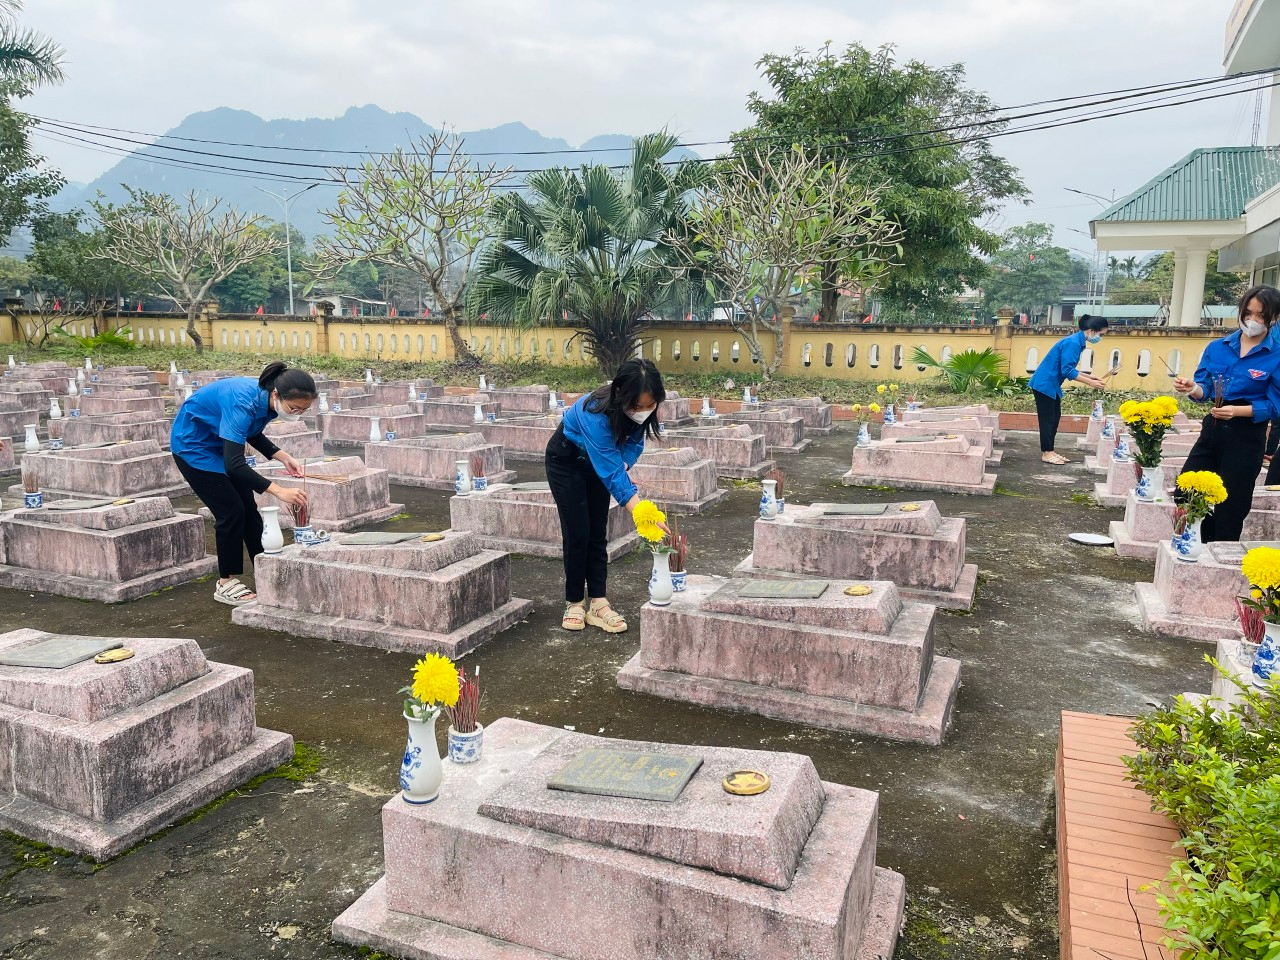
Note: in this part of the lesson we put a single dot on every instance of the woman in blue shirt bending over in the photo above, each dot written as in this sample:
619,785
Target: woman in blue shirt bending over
600,439
1058,365
208,438
1233,438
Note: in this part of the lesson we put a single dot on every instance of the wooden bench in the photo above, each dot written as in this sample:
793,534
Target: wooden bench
1110,845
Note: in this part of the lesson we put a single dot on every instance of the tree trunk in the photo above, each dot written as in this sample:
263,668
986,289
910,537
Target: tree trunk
612,355
779,349
461,350
830,281
193,326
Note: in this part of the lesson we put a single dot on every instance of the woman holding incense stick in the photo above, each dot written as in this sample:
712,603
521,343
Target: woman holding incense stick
600,438
208,440
1240,376
1059,365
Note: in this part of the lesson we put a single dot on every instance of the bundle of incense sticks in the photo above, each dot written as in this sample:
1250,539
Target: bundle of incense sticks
1219,389
302,513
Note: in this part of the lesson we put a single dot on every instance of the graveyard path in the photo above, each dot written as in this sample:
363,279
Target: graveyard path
970,824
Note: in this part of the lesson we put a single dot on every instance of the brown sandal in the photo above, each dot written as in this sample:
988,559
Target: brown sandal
574,617
601,615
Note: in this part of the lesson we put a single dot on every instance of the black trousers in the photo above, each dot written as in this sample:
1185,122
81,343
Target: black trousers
1233,450
1273,439
583,504
237,525
1049,414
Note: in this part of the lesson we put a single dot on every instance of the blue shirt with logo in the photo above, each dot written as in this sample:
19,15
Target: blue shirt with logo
1059,364
1253,378
234,409
590,432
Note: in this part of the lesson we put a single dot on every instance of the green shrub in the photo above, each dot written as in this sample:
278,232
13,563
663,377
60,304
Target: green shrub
1216,774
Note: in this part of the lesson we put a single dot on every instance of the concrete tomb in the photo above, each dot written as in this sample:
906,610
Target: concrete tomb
134,469
971,430
356,495
708,876
521,437
783,432
815,413
673,412
806,651
115,428
532,400
739,451
910,544
1194,600
949,465
977,411
350,428
123,401
431,461
523,519
395,592
294,438
456,412
99,756
396,392
97,549
677,480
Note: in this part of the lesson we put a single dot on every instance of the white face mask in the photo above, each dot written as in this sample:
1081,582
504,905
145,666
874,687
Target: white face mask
285,415
1253,328
640,416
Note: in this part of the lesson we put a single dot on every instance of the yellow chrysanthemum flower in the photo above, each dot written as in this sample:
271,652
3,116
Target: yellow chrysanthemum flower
1256,594
647,517
435,681
874,408
1261,568
1167,406
893,388
1205,483
856,408
1127,407
881,389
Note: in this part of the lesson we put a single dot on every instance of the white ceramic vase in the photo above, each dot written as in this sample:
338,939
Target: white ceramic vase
31,442
1151,484
179,381
462,478
272,535
413,393
324,401
661,588
375,429
484,383
478,416
1187,545
73,389
55,409
769,500
421,770
864,435
88,364
368,376
707,409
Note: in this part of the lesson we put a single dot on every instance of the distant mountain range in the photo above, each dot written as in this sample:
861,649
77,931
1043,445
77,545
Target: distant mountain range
361,129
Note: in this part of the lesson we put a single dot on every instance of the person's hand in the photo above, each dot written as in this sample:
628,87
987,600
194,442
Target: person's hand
1231,412
289,495
1183,385
290,464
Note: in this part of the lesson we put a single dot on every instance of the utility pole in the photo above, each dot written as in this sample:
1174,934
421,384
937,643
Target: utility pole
288,241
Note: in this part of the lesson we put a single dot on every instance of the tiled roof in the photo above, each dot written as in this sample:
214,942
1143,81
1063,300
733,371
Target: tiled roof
1212,183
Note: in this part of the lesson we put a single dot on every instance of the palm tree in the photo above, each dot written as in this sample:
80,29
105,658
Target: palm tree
591,244
970,371
28,57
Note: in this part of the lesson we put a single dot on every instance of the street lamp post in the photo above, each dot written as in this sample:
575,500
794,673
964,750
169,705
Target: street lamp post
1104,202
288,240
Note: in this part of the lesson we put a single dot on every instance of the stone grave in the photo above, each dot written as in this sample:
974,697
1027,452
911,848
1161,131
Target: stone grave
293,437
396,392
350,428
431,461
94,549
977,411
971,430
99,756
134,469
783,432
521,437
523,519
14,417
26,396
738,450
805,651
125,401
394,592
50,376
352,398
115,428
1194,600
815,413
950,466
1122,480
532,400
1145,525
707,876
673,412
910,544
126,388
358,495
677,480
456,412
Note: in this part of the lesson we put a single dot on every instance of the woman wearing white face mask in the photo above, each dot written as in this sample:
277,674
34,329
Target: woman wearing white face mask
599,440
1058,365
208,439
1234,435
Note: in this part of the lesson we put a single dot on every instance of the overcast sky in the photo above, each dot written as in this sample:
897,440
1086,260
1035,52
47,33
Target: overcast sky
574,69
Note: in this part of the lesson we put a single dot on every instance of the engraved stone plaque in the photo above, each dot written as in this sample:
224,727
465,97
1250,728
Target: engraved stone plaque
54,653
625,773
785,589
78,504
532,485
854,509
1251,544
1227,552
376,539
928,439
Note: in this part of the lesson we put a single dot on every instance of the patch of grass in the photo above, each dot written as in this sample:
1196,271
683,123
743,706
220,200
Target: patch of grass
1083,498
33,855
1006,492
925,937
956,613
398,516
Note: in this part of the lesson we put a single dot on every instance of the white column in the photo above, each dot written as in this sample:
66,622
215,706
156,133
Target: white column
1179,279
1193,288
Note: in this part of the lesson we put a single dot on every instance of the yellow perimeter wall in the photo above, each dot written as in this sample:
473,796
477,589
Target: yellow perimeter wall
823,350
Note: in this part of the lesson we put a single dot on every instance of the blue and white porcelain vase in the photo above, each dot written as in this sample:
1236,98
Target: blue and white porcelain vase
304,536
782,505
462,484
1109,429
466,747
1151,484
391,435
1121,452
1187,545
421,770
889,415
1098,411
479,482
679,580
660,586
864,435
33,501
1266,660
769,500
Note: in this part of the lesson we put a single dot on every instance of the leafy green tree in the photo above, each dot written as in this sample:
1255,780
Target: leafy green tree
1028,272
15,274
27,57
67,261
875,112
1219,288
265,279
593,243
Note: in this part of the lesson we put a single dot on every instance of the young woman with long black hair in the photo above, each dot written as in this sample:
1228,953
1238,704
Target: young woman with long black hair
1233,437
1059,365
208,439
599,440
